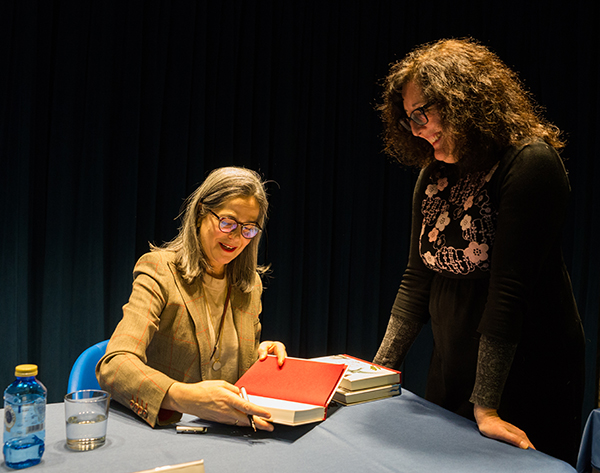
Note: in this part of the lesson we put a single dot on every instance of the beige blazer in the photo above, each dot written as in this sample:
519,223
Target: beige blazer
163,337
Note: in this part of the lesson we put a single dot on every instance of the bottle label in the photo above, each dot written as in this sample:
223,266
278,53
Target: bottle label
9,418
24,419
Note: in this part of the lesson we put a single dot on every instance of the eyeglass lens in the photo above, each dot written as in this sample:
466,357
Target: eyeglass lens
227,225
418,116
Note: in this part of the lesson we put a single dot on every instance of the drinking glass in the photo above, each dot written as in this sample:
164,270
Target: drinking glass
86,416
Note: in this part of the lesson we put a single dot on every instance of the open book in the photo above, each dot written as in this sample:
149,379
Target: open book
296,393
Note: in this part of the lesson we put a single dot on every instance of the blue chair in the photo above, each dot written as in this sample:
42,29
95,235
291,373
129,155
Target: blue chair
83,372
589,450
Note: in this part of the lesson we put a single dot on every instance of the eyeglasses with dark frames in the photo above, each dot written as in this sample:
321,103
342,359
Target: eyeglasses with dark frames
229,224
418,116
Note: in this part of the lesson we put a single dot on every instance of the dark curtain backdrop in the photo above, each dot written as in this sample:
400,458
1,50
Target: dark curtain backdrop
112,112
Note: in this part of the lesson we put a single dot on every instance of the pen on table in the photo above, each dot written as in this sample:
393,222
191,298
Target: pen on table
191,429
244,395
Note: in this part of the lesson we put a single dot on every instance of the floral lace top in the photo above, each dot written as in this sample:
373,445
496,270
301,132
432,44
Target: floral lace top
458,222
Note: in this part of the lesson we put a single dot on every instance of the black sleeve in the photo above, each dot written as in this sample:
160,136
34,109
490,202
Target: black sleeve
412,300
532,191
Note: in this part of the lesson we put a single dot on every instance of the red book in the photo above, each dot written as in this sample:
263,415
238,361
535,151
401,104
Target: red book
296,393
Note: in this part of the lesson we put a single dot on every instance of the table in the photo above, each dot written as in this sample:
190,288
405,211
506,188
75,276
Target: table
589,453
404,433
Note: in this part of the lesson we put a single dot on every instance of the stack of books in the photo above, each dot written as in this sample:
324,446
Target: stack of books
363,381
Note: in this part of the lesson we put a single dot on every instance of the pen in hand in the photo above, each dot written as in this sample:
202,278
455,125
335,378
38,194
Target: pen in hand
244,395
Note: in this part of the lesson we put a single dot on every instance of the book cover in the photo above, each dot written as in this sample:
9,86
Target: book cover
361,374
296,393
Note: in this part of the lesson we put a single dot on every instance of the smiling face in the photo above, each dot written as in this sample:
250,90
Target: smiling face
432,131
222,248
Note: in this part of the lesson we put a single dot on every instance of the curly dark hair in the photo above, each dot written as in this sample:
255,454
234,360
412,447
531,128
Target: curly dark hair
481,102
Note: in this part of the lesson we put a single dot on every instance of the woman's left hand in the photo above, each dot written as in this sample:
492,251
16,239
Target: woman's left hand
275,348
491,425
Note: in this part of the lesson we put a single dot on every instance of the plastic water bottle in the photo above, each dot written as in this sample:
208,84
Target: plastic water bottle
24,419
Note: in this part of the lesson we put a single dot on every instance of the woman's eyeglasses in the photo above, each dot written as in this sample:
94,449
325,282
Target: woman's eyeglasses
418,116
229,224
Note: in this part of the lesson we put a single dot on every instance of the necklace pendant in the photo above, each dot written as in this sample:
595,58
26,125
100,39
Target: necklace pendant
216,365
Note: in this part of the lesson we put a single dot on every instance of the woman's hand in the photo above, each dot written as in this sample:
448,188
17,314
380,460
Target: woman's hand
491,425
276,348
217,401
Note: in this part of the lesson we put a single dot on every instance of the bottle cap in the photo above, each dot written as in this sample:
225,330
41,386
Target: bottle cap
25,371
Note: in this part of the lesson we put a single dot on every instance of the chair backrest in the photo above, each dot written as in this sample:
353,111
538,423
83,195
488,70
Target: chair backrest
83,372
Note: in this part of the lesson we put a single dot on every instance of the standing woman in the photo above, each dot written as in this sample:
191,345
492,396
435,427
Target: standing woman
191,327
485,264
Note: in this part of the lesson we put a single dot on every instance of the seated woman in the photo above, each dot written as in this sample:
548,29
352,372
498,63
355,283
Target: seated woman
191,327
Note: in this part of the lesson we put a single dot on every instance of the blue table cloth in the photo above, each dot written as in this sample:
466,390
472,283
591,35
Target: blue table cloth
401,434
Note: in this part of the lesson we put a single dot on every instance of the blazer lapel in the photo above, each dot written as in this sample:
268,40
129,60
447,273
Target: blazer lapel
193,298
244,325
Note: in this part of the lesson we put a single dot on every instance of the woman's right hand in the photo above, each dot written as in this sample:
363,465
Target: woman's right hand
217,401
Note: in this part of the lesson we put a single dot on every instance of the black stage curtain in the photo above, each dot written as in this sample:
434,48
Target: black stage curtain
113,111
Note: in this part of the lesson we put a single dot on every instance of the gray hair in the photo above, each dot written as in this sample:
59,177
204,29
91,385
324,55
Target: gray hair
221,185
